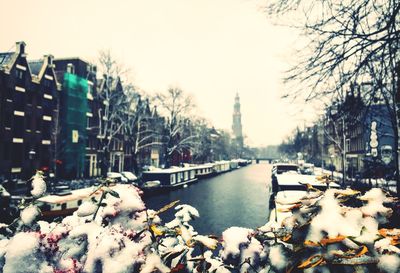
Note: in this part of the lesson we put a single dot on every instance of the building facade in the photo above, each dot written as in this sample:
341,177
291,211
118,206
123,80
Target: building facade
29,93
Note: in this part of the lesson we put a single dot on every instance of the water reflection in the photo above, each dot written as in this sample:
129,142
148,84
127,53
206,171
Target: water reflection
237,198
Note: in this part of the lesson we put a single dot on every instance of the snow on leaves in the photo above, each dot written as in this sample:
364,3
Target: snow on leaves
326,233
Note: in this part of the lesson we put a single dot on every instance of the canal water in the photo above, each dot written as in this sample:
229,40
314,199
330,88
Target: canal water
237,198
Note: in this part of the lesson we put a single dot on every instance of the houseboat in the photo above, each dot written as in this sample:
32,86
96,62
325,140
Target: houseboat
172,177
204,170
234,164
65,203
221,166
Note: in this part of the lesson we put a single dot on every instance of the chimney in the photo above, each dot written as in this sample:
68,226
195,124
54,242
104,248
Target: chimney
70,68
20,47
49,58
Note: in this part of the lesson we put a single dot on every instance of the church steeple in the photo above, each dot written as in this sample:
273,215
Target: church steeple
237,124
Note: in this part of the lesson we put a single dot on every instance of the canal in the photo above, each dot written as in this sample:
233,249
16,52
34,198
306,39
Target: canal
237,198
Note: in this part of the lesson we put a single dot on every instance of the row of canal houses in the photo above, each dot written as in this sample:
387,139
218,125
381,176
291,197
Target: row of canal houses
50,111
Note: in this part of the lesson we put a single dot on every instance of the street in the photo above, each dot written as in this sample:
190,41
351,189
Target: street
237,198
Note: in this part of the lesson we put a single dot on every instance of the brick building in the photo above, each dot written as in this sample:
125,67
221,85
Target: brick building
28,111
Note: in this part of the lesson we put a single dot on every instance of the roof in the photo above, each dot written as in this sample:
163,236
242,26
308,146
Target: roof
290,180
171,170
36,66
285,164
7,59
75,195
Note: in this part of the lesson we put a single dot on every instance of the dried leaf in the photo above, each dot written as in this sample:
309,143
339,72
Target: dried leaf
311,243
114,193
311,262
337,239
166,207
156,231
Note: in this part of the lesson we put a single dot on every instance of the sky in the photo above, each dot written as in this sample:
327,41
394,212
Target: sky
212,49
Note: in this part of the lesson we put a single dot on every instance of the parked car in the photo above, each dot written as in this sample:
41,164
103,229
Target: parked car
280,168
117,177
131,177
307,168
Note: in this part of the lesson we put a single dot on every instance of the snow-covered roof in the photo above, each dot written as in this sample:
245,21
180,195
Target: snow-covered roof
75,195
171,170
207,165
294,179
285,164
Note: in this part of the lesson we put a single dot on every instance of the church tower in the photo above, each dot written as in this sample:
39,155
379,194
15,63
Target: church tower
237,125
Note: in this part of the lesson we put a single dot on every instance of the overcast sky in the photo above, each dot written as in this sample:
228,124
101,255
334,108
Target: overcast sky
209,48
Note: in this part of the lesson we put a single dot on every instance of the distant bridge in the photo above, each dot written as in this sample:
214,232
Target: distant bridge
268,159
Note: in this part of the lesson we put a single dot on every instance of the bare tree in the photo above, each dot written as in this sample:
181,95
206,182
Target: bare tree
352,41
112,113
176,106
142,128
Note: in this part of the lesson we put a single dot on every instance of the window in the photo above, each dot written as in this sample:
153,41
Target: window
46,132
17,153
18,127
39,124
172,179
19,74
6,151
47,83
19,101
7,121
347,145
29,97
47,108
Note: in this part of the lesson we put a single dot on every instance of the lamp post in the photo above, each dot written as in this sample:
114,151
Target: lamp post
31,156
332,156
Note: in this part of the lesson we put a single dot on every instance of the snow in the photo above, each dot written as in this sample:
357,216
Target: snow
86,208
21,253
206,241
233,239
375,198
389,263
29,214
154,264
186,213
277,257
120,238
38,185
384,246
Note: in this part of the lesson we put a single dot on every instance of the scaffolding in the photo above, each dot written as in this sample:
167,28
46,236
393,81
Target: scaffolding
73,121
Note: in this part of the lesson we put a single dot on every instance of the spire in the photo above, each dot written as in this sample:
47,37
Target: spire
237,125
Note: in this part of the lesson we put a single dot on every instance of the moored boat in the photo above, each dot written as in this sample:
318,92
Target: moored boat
221,166
204,170
172,177
65,203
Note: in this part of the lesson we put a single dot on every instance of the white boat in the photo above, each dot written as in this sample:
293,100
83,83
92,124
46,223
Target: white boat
65,203
204,170
171,177
221,166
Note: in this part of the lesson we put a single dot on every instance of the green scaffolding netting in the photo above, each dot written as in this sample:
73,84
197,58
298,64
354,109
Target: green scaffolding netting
73,111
